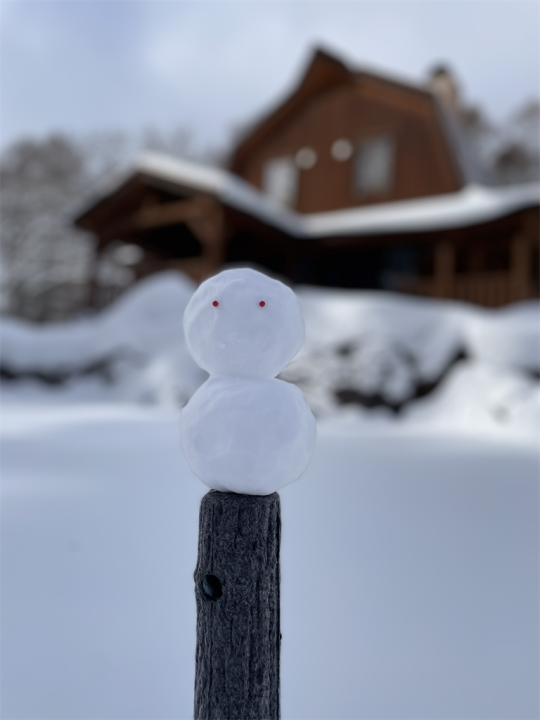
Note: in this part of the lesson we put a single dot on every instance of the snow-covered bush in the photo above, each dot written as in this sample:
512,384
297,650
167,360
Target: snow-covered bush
372,349
133,351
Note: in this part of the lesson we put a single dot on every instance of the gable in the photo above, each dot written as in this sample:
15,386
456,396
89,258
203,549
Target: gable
323,72
333,104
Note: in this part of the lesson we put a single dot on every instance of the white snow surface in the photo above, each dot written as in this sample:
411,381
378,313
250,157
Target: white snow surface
409,566
370,343
141,336
472,205
409,555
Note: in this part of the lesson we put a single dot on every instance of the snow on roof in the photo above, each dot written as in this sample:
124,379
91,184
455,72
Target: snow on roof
226,186
183,172
472,205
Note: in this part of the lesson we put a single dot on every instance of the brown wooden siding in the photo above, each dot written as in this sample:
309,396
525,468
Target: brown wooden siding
423,163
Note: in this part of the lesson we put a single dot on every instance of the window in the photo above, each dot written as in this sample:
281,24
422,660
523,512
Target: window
280,180
374,166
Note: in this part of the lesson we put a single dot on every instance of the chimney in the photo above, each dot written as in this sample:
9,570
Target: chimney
443,83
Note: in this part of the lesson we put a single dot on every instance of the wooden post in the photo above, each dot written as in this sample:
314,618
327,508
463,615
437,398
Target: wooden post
237,594
444,269
519,268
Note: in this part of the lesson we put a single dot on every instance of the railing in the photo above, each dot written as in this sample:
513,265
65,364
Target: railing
490,289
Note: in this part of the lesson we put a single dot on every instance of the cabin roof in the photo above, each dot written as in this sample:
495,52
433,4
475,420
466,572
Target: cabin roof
472,205
324,71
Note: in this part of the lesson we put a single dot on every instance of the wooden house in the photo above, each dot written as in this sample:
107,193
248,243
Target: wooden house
355,180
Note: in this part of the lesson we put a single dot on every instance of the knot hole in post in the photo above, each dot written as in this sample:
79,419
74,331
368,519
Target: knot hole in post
211,586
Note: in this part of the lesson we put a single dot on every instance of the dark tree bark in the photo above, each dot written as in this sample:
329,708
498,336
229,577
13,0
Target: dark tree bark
237,593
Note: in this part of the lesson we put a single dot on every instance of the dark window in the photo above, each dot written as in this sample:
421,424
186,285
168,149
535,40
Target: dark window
252,249
173,241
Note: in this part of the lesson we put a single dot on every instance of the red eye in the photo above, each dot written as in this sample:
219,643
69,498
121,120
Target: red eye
262,303
215,303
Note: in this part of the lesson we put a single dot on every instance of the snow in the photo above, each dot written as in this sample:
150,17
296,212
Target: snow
139,341
362,349
509,337
368,356
472,205
226,186
388,348
483,400
410,563
244,431
378,339
409,571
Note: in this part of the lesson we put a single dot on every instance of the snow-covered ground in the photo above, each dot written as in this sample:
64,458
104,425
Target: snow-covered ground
410,560
409,572
367,356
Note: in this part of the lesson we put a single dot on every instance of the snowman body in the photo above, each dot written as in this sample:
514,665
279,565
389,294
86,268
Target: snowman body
244,431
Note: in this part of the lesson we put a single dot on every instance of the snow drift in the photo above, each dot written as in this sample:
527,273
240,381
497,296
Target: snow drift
366,354
133,350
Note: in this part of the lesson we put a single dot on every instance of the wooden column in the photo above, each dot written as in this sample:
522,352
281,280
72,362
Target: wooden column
204,216
444,269
237,594
519,268
209,228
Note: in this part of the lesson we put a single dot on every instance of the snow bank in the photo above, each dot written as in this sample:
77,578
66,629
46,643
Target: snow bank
509,337
422,358
132,351
366,355
372,348
482,399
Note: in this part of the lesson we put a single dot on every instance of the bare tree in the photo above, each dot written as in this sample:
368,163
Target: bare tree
517,158
179,142
507,152
41,184
503,153
46,261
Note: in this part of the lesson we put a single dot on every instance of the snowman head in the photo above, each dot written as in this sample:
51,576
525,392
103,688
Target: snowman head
243,323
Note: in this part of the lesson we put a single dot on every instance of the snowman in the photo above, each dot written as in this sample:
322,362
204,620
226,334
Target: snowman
244,431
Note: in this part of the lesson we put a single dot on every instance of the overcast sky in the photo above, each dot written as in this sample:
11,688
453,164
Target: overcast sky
81,66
